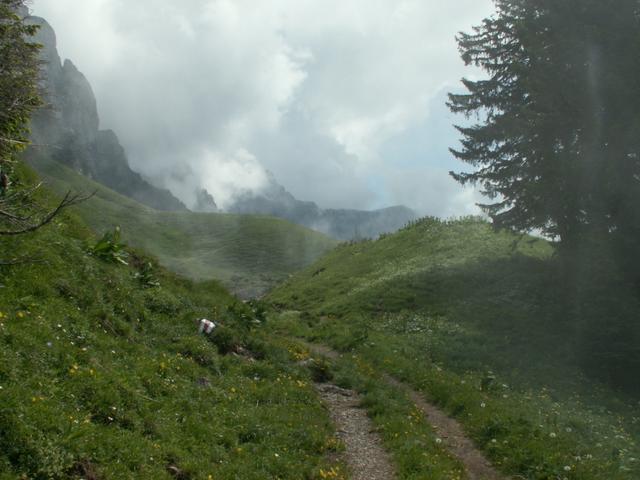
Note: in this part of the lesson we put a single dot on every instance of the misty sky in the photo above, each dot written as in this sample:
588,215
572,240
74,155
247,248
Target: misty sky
343,100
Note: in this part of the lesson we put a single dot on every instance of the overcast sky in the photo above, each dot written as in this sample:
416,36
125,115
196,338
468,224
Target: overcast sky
343,100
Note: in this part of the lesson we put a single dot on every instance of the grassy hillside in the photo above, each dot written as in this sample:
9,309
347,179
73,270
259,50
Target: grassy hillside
104,376
249,254
472,318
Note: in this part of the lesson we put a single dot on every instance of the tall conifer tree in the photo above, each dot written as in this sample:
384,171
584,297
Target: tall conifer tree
556,145
557,137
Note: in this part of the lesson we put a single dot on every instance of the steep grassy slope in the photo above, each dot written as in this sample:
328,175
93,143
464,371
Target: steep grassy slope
473,319
249,254
104,376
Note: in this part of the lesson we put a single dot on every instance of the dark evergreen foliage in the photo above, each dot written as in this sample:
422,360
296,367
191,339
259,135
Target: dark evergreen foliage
556,146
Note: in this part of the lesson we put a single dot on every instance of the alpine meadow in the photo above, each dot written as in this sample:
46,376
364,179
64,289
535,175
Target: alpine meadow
283,240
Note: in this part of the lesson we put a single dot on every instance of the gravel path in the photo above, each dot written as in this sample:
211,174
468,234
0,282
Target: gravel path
475,463
345,412
364,454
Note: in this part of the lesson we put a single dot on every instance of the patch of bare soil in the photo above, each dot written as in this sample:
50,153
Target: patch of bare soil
364,453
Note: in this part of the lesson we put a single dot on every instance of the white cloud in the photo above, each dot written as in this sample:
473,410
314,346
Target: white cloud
433,192
225,173
307,89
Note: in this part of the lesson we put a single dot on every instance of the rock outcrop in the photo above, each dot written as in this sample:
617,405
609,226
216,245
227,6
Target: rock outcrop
67,128
205,202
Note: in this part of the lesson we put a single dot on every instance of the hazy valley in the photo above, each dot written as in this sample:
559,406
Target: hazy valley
150,329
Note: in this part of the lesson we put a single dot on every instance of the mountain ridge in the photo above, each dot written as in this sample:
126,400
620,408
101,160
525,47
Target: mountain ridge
342,224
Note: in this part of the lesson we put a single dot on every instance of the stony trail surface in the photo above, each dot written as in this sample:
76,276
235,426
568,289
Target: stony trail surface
476,465
364,453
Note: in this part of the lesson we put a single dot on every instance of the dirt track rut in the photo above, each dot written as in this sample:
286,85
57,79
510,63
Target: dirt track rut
364,452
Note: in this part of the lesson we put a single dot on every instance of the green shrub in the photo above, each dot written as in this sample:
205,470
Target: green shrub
145,275
226,339
161,301
320,370
198,350
109,248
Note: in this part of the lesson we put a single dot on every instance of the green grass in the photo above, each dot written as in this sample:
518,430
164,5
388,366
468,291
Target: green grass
415,448
104,376
470,317
248,254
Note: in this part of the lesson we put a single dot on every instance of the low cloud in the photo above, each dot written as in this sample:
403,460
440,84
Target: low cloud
213,93
432,192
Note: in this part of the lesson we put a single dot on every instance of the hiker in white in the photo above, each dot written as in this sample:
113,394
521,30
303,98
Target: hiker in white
206,326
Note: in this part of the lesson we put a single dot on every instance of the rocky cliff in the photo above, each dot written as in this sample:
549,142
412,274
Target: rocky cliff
205,202
67,129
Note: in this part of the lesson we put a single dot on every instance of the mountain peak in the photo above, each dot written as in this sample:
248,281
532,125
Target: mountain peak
70,125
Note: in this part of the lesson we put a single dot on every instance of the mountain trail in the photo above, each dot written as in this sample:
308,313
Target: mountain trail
364,453
476,465
450,431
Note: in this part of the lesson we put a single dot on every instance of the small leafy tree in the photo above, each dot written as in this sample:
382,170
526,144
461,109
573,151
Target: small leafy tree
20,212
19,69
